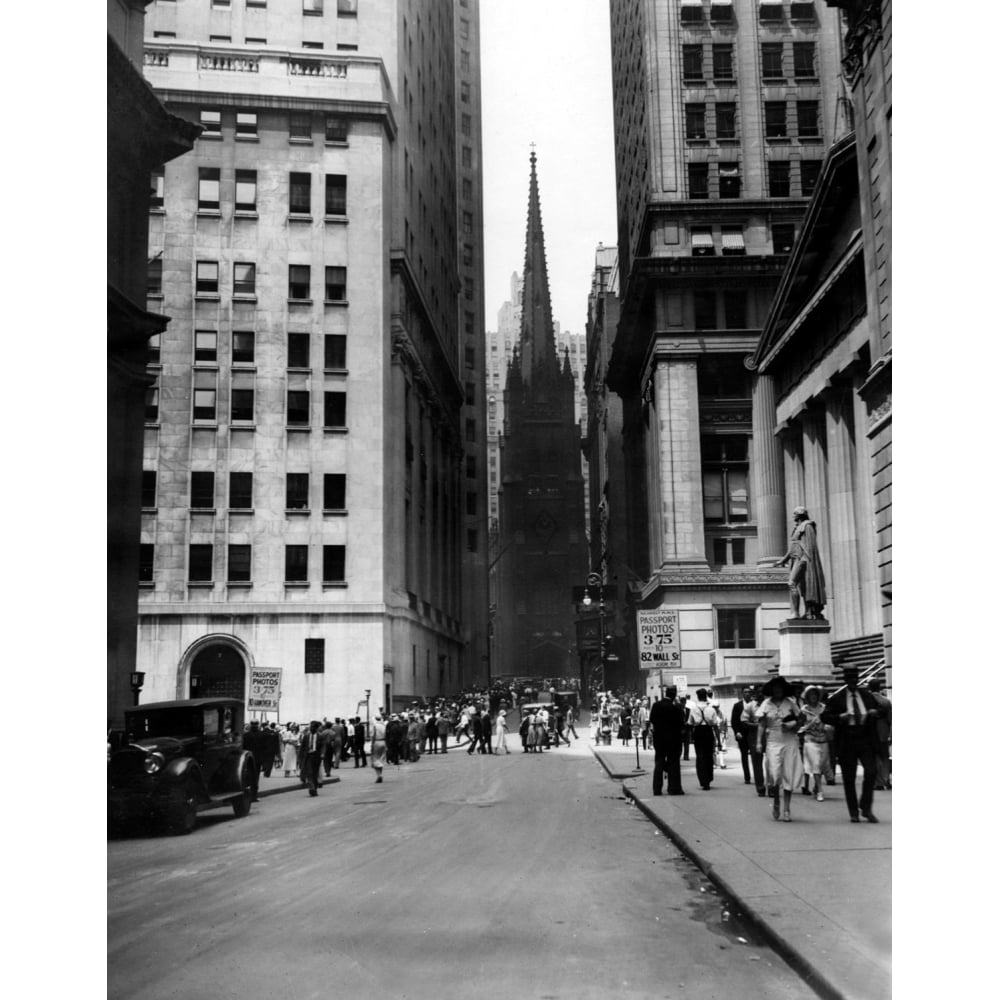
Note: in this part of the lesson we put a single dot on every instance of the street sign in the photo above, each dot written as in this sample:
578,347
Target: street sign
681,683
659,639
265,690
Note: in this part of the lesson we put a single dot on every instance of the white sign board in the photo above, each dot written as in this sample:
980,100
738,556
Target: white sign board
659,639
265,690
681,683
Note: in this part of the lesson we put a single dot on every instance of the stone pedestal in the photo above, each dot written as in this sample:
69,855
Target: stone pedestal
804,650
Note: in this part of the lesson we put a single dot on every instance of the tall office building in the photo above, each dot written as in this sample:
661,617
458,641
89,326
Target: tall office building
723,112
307,458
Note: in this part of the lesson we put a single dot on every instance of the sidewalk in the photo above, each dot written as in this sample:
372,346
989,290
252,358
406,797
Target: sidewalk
819,888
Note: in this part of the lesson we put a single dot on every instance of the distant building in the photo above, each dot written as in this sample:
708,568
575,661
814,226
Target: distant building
141,136
542,540
314,490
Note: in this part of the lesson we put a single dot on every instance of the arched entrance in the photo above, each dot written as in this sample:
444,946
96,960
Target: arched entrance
218,671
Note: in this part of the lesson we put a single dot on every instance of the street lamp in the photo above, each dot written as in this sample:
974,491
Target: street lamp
368,698
136,679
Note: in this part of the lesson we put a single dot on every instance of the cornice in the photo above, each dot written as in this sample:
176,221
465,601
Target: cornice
668,580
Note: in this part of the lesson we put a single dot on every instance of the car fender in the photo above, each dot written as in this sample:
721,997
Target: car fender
181,769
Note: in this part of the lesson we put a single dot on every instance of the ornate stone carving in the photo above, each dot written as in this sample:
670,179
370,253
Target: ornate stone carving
862,37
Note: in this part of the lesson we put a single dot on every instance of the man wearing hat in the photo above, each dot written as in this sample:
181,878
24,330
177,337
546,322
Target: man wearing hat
312,755
806,584
853,713
667,720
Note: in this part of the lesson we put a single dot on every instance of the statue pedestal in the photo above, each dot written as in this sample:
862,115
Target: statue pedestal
804,650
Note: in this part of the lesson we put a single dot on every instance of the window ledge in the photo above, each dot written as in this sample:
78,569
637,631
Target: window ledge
205,584
152,423
216,136
304,369
729,140
239,510
773,79
207,426
340,220
299,217
206,366
240,425
778,140
202,510
149,510
158,296
147,584
335,371
247,138
335,585
300,140
154,366
811,140
297,511
335,512
340,303
244,366
299,584
300,302
807,79
334,430
297,427
701,140
206,296
243,297
239,584
157,210
695,81
245,213
209,213
340,143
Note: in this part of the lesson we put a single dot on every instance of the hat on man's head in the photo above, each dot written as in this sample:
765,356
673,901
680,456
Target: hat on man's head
671,691
768,689
850,672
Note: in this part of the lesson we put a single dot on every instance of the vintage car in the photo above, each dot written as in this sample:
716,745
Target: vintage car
179,758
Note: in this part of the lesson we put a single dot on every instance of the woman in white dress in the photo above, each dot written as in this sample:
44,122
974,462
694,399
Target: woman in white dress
779,719
815,745
500,740
290,749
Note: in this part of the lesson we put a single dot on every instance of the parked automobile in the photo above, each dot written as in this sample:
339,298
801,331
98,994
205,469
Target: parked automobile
179,758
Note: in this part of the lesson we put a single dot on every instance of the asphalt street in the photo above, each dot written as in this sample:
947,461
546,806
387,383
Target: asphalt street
529,875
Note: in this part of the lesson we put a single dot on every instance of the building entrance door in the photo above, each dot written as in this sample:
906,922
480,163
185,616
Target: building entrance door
218,671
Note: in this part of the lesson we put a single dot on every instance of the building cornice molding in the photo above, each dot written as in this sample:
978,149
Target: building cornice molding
667,580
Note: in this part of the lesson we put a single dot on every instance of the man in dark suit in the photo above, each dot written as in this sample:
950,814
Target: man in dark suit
853,713
743,740
255,742
312,757
667,720
360,756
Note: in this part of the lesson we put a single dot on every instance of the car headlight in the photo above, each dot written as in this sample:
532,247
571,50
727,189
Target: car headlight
153,763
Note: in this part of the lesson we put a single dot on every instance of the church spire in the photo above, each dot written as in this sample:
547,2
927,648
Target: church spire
538,342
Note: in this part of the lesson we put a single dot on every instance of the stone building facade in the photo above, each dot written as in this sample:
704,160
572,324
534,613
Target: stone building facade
307,452
723,113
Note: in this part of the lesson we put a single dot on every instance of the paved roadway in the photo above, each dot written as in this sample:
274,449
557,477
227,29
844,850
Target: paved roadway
529,876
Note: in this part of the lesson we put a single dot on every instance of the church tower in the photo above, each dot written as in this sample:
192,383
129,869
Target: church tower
543,546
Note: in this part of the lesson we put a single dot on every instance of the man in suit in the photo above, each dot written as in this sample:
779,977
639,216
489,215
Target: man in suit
360,756
312,757
743,741
854,713
667,721
255,741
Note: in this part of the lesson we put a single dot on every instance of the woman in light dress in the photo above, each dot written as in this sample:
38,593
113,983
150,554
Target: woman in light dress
290,749
500,741
779,719
815,742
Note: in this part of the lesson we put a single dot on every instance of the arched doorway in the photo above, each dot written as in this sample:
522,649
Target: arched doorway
218,671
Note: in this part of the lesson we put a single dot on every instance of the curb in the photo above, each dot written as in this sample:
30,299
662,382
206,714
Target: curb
294,785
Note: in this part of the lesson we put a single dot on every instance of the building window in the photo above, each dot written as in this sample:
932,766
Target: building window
298,350
300,125
257,3
296,563
770,11
246,124
466,189
466,124
702,243
335,351
704,310
206,280
255,41
771,60
203,490
315,659
466,92
211,123
697,180
470,431
334,563
154,276
472,540
298,408
146,563
467,156
467,223
220,3
336,194
775,120
470,357
732,241
809,175
226,39
240,490
239,564
312,6
316,46
156,189
148,488
246,191
691,12
243,347
692,62
334,491
804,60
204,404
470,466
803,11
152,405
721,11
297,491
205,346
335,284
241,407
347,8
471,503
153,350
244,279
807,113
729,180
725,120
199,563
299,194
779,184
694,122
725,474
722,63
783,237
736,628
298,282
470,393
334,409
734,304
336,129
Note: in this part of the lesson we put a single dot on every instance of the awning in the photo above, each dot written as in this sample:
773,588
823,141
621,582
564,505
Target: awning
733,241
702,240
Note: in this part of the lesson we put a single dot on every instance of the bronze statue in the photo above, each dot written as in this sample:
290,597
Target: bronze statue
806,585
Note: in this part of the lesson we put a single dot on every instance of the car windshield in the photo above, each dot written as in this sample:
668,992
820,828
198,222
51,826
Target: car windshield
183,721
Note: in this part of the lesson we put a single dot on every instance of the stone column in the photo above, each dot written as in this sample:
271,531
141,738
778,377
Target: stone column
843,535
795,484
680,518
814,466
864,516
768,475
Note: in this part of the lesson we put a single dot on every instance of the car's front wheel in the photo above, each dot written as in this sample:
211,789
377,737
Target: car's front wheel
182,813
241,806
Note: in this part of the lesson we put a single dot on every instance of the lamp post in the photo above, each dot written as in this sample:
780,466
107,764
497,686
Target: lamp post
368,699
136,679
595,582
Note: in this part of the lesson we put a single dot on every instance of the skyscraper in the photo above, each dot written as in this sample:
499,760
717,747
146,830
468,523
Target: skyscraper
308,447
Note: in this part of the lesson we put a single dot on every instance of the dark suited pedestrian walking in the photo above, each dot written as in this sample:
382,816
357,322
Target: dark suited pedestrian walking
312,757
667,719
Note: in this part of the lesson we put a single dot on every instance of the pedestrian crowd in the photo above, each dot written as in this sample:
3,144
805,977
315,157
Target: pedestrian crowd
789,738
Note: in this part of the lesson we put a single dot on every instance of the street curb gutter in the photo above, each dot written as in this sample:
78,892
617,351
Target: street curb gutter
795,958
292,786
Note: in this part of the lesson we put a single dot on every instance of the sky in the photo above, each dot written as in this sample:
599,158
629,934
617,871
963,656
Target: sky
546,79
